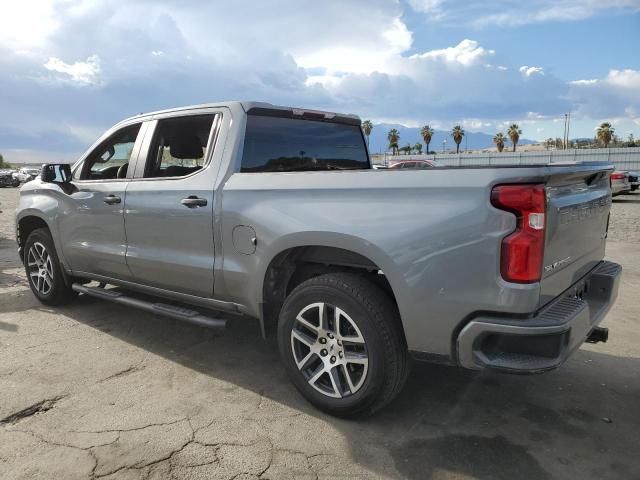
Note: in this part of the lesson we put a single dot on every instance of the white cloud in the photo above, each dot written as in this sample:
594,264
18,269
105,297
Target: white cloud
475,124
528,71
27,24
624,78
82,73
431,7
466,53
344,56
617,94
372,54
584,82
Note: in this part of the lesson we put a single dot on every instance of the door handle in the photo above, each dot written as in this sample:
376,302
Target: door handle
192,201
112,199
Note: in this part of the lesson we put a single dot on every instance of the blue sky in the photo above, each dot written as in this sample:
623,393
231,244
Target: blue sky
71,68
566,48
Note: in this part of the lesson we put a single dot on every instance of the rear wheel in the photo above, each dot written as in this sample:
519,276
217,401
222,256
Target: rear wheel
342,345
44,271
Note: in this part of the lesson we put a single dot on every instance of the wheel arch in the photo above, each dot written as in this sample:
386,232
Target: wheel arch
299,258
26,223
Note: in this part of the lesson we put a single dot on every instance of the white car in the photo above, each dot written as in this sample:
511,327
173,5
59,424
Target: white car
25,174
620,183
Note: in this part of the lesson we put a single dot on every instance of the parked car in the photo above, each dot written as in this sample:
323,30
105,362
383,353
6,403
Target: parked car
7,179
620,183
25,174
414,164
634,182
266,212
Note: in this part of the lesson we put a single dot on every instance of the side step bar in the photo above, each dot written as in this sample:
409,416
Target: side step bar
179,313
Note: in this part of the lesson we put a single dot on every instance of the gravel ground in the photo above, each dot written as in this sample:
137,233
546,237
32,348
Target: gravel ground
624,225
97,390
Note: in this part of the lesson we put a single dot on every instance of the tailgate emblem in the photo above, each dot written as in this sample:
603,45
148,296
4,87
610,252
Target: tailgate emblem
577,213
557,264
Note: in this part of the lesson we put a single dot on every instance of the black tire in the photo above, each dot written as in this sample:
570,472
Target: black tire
377,318
59,292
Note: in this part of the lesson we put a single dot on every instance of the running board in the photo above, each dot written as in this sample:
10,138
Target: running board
179,313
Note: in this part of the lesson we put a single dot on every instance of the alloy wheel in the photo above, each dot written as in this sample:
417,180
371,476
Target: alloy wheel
329,350
40,268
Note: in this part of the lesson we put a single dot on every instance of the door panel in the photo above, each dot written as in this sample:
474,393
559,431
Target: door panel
92,230
169,219
170,245
93,237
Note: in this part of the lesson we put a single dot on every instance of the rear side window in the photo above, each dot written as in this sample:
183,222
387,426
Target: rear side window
179,146
275,144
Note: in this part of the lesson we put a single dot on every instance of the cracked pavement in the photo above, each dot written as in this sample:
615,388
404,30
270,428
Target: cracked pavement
96,390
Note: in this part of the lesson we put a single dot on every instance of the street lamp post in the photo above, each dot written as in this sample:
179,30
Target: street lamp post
444,142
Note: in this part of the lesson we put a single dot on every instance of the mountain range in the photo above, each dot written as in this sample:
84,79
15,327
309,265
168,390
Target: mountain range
472,140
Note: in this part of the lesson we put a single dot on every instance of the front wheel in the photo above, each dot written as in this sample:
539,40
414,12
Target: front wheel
341,341
44,271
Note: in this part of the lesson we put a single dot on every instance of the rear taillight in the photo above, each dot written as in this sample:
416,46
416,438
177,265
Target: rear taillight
617,176
522,250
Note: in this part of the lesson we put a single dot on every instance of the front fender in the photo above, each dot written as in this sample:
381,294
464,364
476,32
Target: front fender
43,201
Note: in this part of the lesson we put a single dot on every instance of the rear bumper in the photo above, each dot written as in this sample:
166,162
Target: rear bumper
545,341
617,189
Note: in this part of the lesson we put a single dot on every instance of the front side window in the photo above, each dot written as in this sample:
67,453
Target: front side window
179,146
276,144
110,160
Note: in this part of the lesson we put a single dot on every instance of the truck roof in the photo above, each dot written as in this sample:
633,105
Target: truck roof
262,107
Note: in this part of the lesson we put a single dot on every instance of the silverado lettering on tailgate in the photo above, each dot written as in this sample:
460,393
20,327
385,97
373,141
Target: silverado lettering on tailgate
577,213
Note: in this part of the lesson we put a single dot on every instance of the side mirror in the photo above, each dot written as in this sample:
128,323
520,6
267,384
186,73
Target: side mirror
56,173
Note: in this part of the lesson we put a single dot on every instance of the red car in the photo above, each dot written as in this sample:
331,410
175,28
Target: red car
414,164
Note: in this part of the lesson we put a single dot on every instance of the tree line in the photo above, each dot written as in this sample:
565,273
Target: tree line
4,164
605,133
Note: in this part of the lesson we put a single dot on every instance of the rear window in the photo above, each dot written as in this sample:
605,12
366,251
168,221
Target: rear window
275,144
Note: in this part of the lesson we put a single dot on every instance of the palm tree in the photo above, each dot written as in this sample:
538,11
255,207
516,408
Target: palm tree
605,133
457,133
499,139
393,136
514,133
631,142
367,126
418,148
549,143
427,134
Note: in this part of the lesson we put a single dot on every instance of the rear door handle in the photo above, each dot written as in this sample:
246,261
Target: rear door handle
193,201
112,199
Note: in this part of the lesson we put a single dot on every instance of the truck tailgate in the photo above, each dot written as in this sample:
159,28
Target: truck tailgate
578,205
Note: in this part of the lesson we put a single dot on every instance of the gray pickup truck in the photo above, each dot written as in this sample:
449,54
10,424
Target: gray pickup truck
275,213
